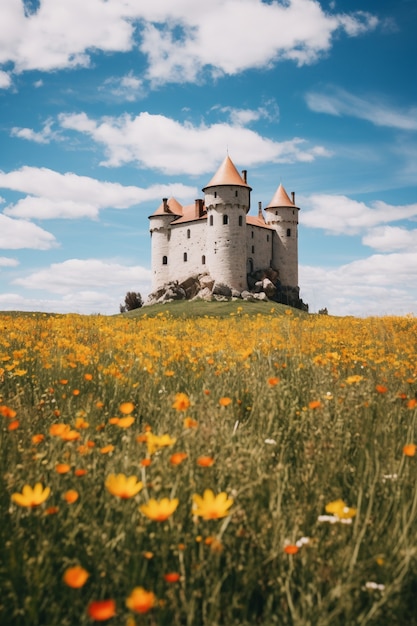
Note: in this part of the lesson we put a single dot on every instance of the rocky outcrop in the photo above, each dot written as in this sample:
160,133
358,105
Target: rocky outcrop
263,285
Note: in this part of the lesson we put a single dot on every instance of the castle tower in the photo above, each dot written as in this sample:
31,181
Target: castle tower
227,201
282,213
160,230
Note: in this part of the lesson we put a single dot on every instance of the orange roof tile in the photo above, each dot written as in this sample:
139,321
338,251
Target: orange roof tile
227,174
280,198
189,214
257,221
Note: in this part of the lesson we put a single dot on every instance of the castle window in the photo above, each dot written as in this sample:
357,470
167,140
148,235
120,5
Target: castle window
203,259
253,249
225,219
240,220
251,234
185,257
211,220
164,260
215,194
188,233
267,237
288,232
276,212
236,192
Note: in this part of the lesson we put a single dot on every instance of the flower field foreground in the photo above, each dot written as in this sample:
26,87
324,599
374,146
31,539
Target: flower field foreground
208,472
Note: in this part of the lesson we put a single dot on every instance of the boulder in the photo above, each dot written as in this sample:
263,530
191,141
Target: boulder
220,289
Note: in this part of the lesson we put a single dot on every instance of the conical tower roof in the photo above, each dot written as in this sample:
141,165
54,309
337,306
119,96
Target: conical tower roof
280,198
172,206
227,174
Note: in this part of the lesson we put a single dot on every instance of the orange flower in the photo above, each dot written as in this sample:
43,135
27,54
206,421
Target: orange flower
63,381
381,389
205,461
107,449
126,408
291,548
75,577
225,401
52,510
145,462
178,458
125,422
172,577
80,472
88,377
181,402
410,449
314,404
411,404
37,439
114,420
80,423
190,423
6,411
123,486
101,610
273,381
140,600
76,392
70,435
71,496
62,468
14,425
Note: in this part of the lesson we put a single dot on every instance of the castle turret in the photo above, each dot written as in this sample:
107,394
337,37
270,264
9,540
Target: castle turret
160,229
227,201
282,213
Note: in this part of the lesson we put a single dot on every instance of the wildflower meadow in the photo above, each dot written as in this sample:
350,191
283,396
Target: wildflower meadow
208,471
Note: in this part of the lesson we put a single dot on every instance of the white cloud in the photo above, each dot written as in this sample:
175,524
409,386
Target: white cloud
5,80
55,195
243,117
159,142
377,285
8,262
128,87
84,285
391,238
16,234
341,215
339,102
44,136
176,37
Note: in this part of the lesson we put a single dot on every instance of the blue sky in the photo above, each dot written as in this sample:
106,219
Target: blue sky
108,106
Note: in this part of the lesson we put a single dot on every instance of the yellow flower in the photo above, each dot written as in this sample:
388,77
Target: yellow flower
125,422
182,402
210,506
339,508
159,511
31,497
140,600
123,486
154,442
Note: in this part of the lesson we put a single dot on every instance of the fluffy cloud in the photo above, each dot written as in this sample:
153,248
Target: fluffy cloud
338,102
5,80
128,87
17,234
176,38
159,142
391,238
55,195
43,136
377,285
8,262
79,285
340,215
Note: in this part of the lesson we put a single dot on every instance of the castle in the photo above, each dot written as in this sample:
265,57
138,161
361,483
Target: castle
215,236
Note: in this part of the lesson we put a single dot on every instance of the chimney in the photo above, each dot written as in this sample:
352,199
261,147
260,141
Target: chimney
165,203
198,210
245,175
259,209
293,197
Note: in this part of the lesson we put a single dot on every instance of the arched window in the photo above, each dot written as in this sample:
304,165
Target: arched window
164,260
188,233
211,220
185,257
240,220
225,219
288,232
203,259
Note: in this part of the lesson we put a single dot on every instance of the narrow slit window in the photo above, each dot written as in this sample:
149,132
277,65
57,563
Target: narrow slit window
240,220
211,220
225,219
253,249
203,259
288,232
164,260
188,233
185,257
